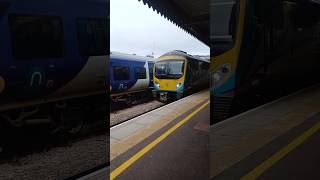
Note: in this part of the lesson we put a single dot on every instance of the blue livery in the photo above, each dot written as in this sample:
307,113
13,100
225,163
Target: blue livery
46,49
53,61
129,74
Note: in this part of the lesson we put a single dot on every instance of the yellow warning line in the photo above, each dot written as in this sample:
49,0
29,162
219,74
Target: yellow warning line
256,172
138,155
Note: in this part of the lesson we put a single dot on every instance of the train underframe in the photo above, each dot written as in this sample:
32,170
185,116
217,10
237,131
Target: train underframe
61,117
130,98
166,96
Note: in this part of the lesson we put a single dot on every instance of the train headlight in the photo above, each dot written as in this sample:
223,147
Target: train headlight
220,75
179,85
157,84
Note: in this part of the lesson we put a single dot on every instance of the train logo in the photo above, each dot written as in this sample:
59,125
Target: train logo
36,79
122,86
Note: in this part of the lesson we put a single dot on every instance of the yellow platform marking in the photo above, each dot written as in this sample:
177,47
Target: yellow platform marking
260,126
256,172
146,149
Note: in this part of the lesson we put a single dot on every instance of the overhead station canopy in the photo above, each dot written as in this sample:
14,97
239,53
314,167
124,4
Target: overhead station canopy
193,15
309,1
308,11
190,15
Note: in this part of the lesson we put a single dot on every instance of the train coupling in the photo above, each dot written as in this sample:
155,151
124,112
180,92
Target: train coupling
163,96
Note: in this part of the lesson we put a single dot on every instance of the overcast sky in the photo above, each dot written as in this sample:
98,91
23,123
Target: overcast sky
137,29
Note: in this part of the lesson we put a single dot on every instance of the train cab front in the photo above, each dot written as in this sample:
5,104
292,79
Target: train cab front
169,76
228,19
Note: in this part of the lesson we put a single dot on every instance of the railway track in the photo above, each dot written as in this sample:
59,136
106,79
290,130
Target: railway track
17,143
116,106
140,107
32,155
122,115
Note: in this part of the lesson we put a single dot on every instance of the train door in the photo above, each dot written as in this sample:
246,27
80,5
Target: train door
193,71
203,68
150,66
84,70
141,81
92,46
187,80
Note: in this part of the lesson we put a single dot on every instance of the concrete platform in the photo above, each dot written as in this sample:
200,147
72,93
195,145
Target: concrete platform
157,144
256,143
128,134
101,174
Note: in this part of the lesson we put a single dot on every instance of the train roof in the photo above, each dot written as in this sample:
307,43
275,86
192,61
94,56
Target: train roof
130,57
185,54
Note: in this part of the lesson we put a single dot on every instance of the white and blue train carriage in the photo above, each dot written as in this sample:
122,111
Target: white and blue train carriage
51,55
130,76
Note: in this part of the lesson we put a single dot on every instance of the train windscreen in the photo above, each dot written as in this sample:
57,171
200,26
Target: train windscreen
223,22
170,69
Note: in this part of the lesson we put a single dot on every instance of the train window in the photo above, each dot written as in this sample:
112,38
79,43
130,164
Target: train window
169,69
36,36
92,36
140,73
224,15
121,73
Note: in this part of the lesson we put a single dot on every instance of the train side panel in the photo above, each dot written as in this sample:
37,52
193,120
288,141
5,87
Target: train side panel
266,53
40,51
53,63
129,75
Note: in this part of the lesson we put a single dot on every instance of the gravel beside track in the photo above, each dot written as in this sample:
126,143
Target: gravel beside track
120,116
58,162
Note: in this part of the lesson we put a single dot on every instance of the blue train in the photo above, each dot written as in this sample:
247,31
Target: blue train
51,54
130,76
